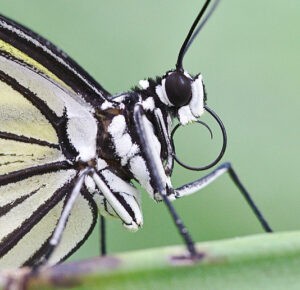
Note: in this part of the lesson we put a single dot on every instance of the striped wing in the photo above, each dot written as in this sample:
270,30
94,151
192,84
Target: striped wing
46,122
51,58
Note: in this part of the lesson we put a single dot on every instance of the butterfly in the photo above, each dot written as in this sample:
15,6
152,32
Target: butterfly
69,150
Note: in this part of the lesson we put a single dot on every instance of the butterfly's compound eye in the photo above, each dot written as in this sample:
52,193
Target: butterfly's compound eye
178,88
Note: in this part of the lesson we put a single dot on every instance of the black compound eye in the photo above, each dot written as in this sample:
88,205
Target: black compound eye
178,88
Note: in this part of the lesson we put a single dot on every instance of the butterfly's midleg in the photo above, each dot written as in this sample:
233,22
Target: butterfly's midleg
197,185
102,227
155,171
181,228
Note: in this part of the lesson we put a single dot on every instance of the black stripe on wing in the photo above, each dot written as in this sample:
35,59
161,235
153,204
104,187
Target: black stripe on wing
6,208
36,257
58,123
16,235
43,249
24,139
19,175
51,57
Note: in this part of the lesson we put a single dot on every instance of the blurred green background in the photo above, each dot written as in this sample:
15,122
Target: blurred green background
249,55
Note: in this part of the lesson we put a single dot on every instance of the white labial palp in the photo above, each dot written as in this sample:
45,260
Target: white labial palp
185,115
197,101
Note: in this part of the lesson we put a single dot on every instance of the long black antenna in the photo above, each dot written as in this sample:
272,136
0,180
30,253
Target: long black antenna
193,32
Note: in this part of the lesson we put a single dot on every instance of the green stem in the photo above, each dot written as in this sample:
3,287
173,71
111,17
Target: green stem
267,261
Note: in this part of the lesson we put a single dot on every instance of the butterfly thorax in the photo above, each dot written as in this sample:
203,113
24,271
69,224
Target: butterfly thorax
117,141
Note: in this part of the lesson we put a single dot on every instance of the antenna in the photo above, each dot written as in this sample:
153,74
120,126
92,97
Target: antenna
194,30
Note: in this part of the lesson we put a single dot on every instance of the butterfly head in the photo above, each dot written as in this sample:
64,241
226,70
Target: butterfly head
183,93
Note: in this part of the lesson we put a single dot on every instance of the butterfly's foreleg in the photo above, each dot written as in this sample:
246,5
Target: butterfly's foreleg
157,173
197,185
60,226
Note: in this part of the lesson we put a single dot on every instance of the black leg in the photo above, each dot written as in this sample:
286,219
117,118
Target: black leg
248,198
197,185
181,228
102,236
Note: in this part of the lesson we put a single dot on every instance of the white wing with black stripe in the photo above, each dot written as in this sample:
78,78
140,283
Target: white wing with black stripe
46,124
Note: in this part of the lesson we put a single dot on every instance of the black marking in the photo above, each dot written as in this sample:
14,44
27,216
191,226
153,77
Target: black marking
6,208
123,202
67,147
19,175
15,155
11,162
16,235
24,139
105,205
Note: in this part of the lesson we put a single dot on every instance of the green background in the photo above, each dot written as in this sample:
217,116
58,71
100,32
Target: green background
249,55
